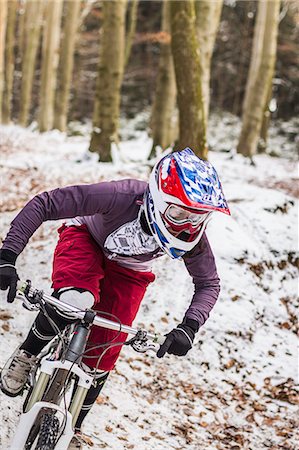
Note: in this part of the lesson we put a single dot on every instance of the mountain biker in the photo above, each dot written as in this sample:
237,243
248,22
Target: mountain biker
112,234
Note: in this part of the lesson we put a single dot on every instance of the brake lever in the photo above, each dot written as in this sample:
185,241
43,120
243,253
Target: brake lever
140,342
31,301
30,306
142,347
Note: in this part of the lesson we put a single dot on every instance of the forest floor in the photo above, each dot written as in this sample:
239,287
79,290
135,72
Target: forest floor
236,389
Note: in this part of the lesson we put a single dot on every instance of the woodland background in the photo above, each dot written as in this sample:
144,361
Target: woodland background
65,61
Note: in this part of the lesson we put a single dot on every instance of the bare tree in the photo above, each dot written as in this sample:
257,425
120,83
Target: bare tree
207,22
50,55
260,75
131,28
192,122
262,142
66,63
110,73
163,111
21,34
33,21
3,19
9,61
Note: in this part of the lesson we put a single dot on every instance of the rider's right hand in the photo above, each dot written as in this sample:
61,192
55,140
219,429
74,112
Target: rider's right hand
8,273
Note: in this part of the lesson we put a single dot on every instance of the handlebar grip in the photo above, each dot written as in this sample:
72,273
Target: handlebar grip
160,339
21,285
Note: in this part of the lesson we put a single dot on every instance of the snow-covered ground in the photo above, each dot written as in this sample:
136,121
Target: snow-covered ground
236,388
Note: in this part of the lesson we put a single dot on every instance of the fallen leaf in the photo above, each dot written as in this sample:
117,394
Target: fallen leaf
230,363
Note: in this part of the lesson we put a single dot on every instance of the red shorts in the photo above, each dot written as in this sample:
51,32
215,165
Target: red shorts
79,262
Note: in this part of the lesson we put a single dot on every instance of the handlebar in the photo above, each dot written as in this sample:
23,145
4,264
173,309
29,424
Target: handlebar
25,289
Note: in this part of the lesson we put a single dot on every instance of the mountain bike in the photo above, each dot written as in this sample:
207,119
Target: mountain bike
59,383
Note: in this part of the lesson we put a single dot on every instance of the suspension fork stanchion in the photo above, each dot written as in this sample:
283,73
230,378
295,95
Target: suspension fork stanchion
38,390
77,403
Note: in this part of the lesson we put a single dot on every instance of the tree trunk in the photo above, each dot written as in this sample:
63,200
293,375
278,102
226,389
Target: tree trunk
33,21
3,20
66,63
207,22
262,142
256,52
9,61
110,73
162,120
50,55
131,28
260,75
192,121
21,35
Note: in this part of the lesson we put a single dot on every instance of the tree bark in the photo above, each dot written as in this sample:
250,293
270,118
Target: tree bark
162,119
21,34
50,55
256,52
3,21
132,20
9,61
33,21
110,73
207,22
66,63
192,122
263,140
260,75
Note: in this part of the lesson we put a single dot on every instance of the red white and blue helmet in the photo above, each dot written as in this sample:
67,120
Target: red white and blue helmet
183,192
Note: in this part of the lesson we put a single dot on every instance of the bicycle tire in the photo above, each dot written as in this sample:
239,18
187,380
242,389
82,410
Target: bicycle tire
48,432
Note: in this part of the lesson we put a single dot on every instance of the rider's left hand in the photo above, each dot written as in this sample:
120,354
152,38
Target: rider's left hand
179,341
8,273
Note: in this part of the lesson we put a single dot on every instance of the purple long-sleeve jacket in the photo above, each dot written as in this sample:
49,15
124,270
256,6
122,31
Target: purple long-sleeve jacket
104,208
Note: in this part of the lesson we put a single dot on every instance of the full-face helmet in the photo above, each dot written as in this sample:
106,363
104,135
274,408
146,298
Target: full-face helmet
183,192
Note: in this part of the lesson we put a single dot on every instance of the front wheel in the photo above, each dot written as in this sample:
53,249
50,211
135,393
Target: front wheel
48,432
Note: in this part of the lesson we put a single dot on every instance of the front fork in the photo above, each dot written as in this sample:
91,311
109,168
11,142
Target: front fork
63,369
76,402
37,402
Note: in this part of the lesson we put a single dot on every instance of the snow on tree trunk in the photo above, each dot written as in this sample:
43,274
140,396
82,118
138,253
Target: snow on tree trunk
207,21
9,61
110,73
50,56
3,19
192,123
260,75
66,63
33,21
163,112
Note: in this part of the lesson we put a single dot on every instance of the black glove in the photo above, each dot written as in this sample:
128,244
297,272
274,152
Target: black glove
8,274
179,341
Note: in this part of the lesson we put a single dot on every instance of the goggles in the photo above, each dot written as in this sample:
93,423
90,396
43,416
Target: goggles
179,219
178,215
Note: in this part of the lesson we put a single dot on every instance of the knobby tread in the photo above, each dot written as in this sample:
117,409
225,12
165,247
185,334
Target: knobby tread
48,432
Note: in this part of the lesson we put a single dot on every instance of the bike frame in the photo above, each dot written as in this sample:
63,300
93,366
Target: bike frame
61,370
